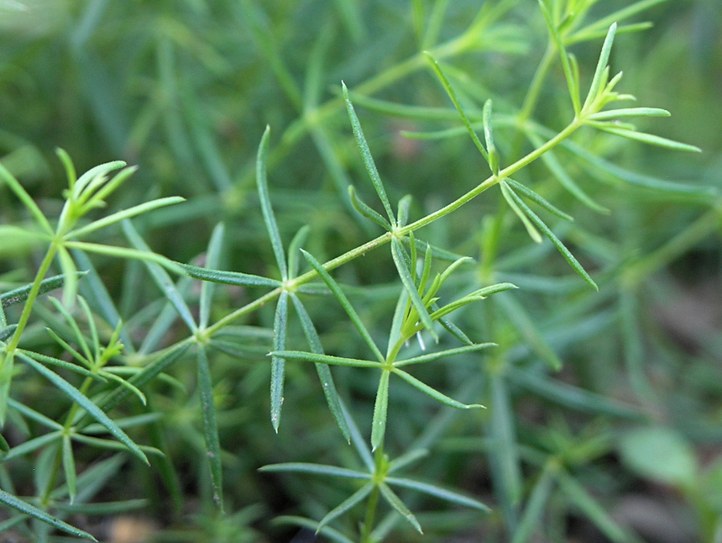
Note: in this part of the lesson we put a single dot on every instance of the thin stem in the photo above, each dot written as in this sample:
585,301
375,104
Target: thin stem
373,501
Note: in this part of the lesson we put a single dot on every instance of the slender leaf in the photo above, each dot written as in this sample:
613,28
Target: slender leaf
294,250
395,502
438,492
69,468
596,87
345,505
405,459
83,401
367,157
650,139
343,300
397,252
435,394
20,294
613,114
280,323
539,200
316,469
213,256
330,533
228,277
268,216
489,138
381,406
32,511
365,210
531,520
431,357
508,193
26,199
324,372
210,426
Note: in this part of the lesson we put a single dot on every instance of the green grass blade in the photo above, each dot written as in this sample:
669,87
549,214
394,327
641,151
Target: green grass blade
324,372
438,492
316,469
213,257
228,277
394,501
348,503
32,511
368,159
381,406
268,216
83,401
454,100
345,304
566,253
435,394
280,324
210,426
119,216
400,260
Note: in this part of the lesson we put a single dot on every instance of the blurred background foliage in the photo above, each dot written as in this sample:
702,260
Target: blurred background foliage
184,89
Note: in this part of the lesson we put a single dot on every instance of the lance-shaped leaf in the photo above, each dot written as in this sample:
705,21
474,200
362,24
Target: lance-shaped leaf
32,511
532,516
268,216
431,357
365,210
566,253
381,408
213,256
348,503
394,501
93,410
345,304
507,193
294,250
316,469
402,266
228,277
26,199
539,200
602,67
69,467
649,139
367,157
20,294
457,104
489,137
435,394
280,323
324,372
438,492
210,426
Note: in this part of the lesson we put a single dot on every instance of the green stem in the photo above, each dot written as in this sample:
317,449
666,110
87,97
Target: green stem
373,501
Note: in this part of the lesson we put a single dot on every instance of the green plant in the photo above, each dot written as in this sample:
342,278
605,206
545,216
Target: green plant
124,355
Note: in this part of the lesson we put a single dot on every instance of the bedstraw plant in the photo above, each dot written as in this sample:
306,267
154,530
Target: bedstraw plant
393,296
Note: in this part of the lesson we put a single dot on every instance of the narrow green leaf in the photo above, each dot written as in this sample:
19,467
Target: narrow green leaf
122,215
21,294
210,426
324,372
280,323
4,447
539,200
397,252
68,166
613,114
302,522
93,178
381,406
405,459
489,138
26,199
93,410
435,394
348,503
228,277
431,357
343,300
365,210
68,366
316,469
368,159
438,492
597,80
395,502
651,139
124,252
161,278
32,511
568,256
34,444
294,250
268,216
508,195
213,257
69,468
318,358
594,511
403,210
454,100
531,520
